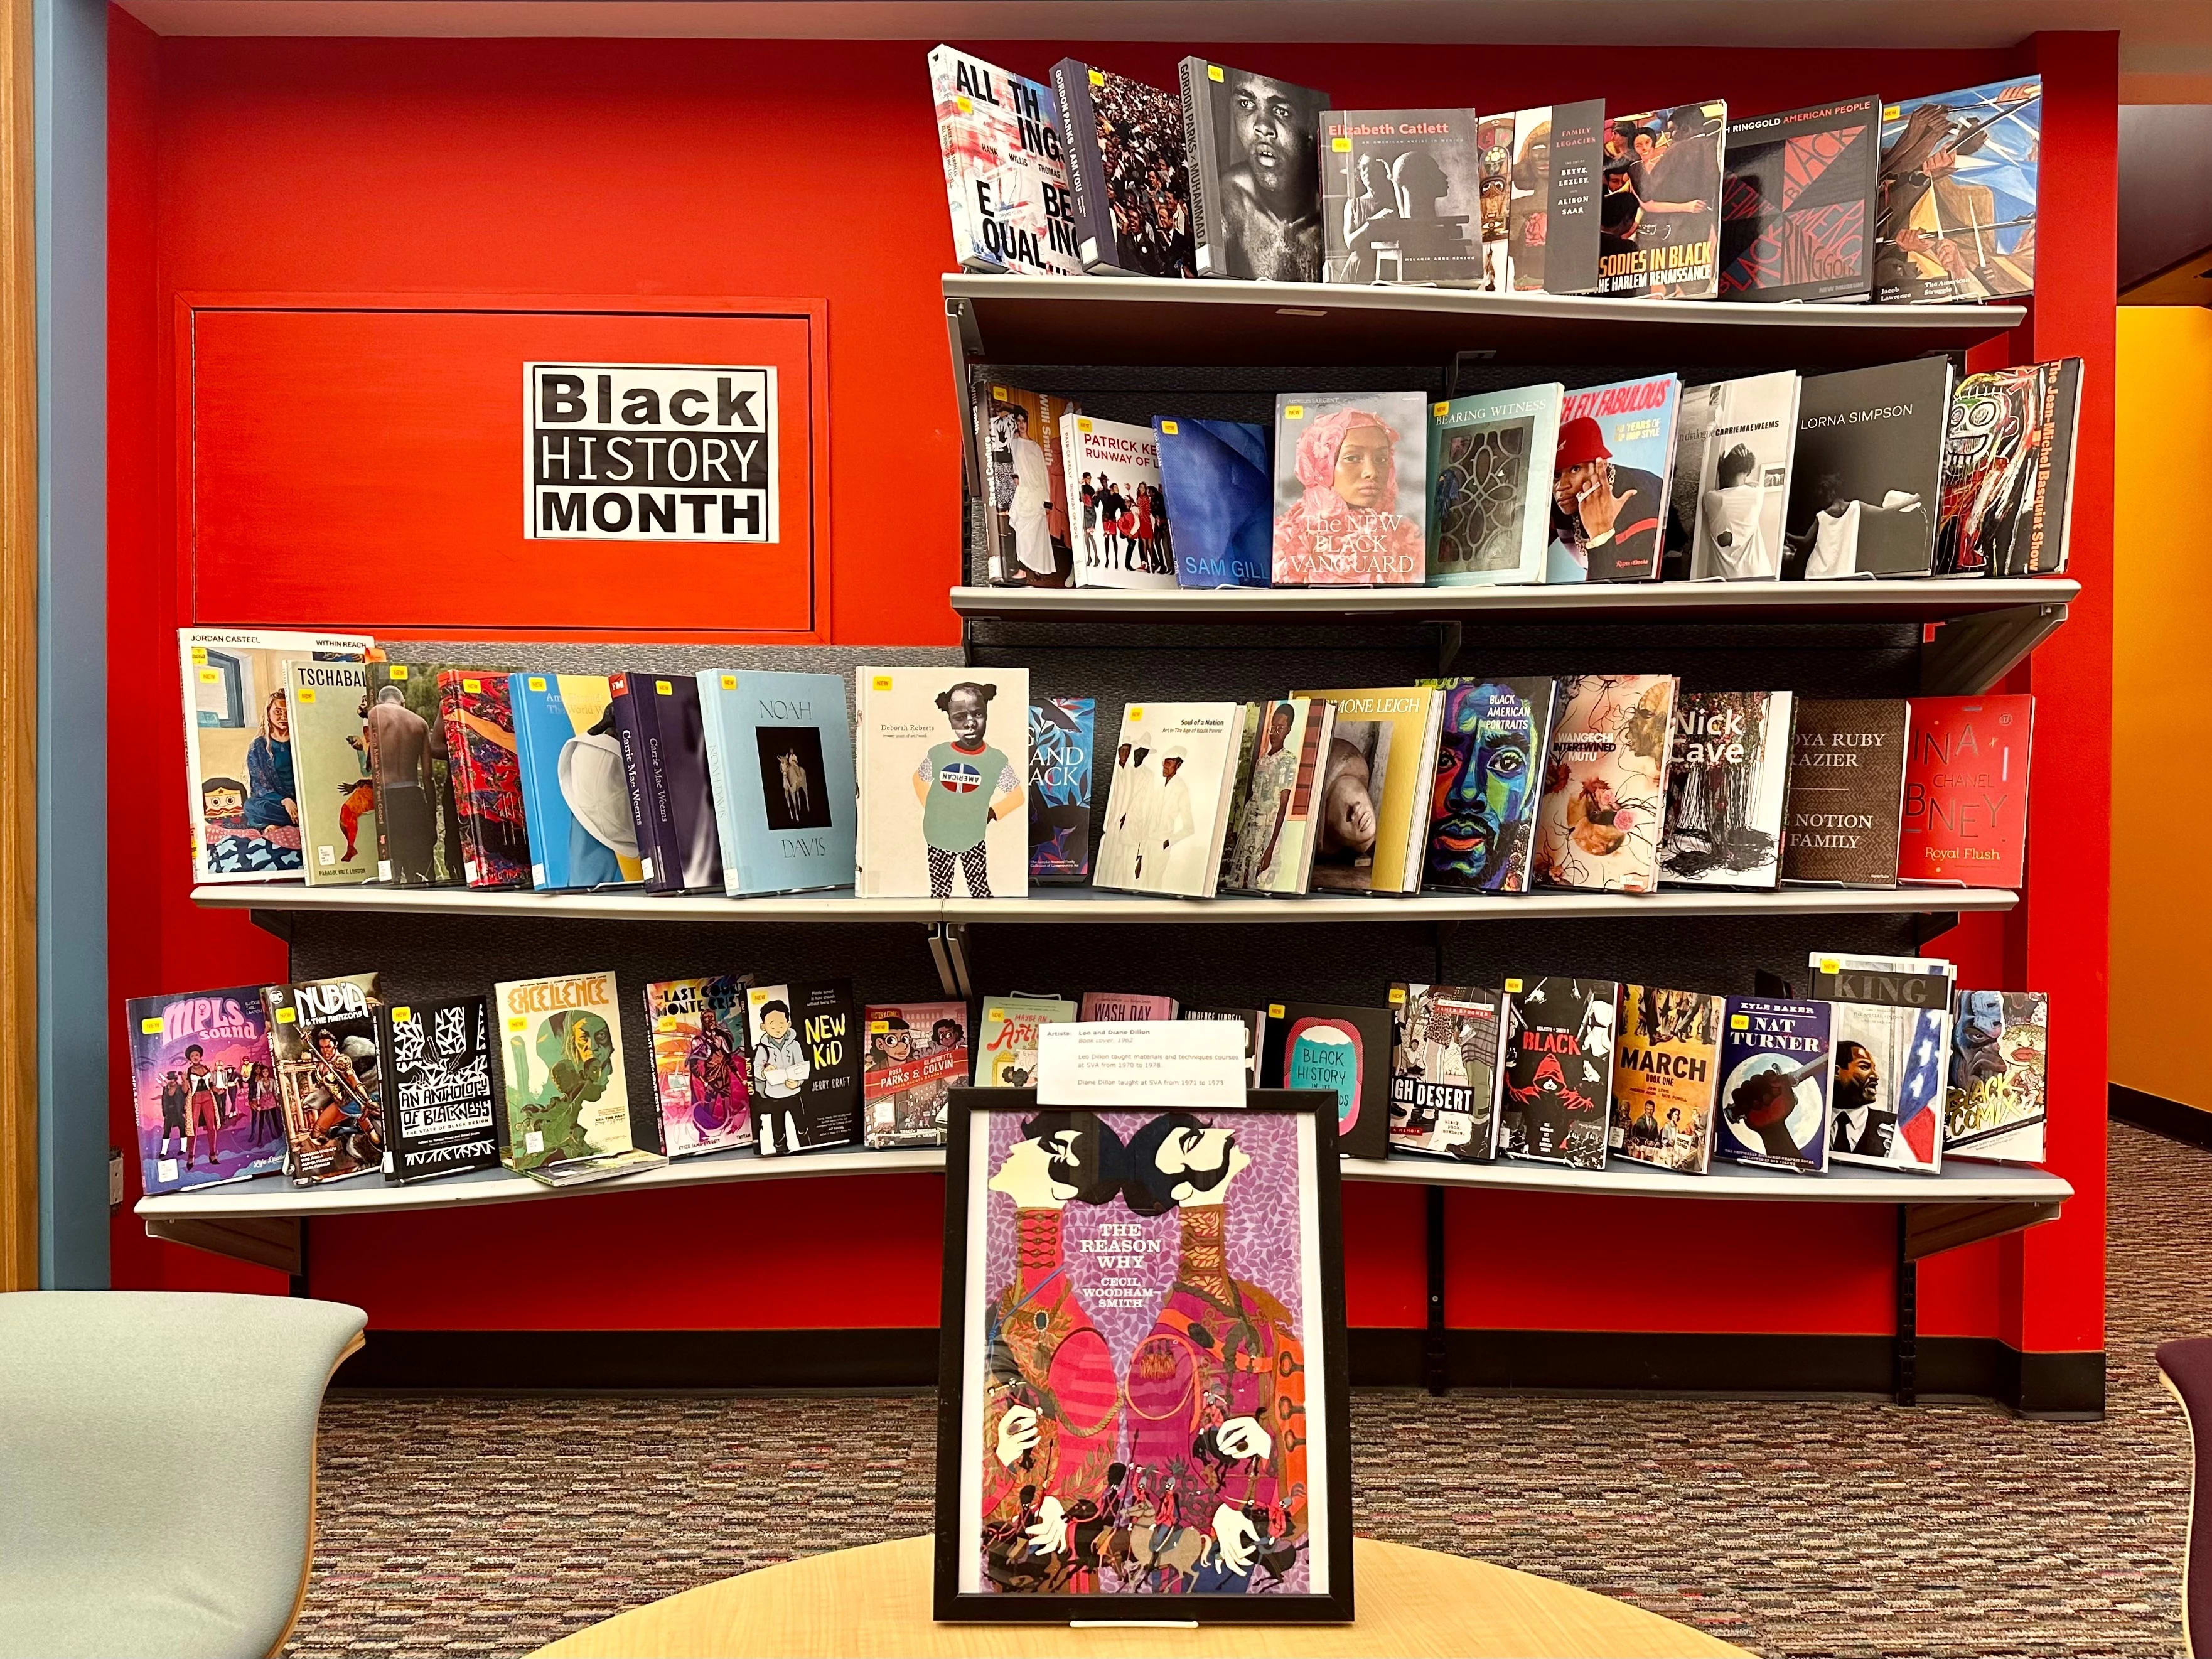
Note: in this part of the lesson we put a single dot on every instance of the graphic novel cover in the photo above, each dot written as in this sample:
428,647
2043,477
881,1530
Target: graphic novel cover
1006,1039
1376,788
779,773
1555,1070
330,765
805,1066
1867,477
1797,204
1027,509
2000,515
1491,741
1886,1101
437,1060
1315,1045
1994,1104
1966,790
1167,813
243,804
1731,489
1541,175
1402,197
700,1043
576,798
568,1118
1611,474
203,1089
1125,1006
1220,488
1775,1059
676,776
1665,1077
1659,235
1270,844
1119,523
1728,782
487,777
1956,213
944,764
1603,816
322,1038
1443,1070
1352,493
1846,790
1254,1022
1060,744
1487,522
916,1052
1252,142
1127,162
1006,168
418,831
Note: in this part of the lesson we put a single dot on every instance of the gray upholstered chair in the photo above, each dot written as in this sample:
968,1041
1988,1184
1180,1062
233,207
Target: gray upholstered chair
157,1468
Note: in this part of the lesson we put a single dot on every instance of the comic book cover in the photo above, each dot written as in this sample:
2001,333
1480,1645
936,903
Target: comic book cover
1665,1077
487,778
1128,165
1966,790
779,773
944,768
1733,441
435,1059
1112,471
322,1038
1603,816
1488,522
806,1057
1995,1105
1866,480
418,834
1402,197
2000,515
1254,148
1168,831
1443,1070
575,794
1218,484
1492,740
1775,1058
243,803
1611,476
1659,236
330,767
1955,218
1027,510
1555,1070
1540,187
1797,205
917,1051
203,1089
1351,490
1006,168
1254,1022
1271,844
1885,1099
1060,733
1376,788
700,1050
1315,1045
1846,790
568,1118
1728,783
1006,1039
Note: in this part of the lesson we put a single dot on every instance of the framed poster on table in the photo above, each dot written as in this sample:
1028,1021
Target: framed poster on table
1143,1399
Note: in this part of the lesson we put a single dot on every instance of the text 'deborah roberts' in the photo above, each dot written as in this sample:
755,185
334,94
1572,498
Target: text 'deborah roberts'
649,451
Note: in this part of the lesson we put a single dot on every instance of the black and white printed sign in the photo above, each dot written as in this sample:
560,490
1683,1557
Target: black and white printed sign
649,451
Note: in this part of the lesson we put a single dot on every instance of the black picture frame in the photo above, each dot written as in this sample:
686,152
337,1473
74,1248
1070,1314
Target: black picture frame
1328,1394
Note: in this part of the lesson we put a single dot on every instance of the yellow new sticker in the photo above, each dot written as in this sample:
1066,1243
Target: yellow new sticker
1083,426
1440,410
306,693
664,688
288,1016
211,676
1274,1011
1738,1022
403,1012
1397,996
398,670
472,686
537,682
1168,427
518,1022
1341,146
878,1027
1830,965
151,1026
881,682
964,107
1512,984
999,393
994,1013
1213,71
1098,77
730,683
1294,412
199,653
1136,711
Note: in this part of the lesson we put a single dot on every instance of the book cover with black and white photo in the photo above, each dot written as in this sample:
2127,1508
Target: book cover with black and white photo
1128,165
1252,142
1402,197
1168,812
1731,484
1728,779
1866,479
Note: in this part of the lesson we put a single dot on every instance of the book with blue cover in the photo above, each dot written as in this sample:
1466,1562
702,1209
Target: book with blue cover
575,795
1060,789
780,757
1775,1063
1220,495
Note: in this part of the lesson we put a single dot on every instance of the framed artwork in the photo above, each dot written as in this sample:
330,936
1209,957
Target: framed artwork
1143,1405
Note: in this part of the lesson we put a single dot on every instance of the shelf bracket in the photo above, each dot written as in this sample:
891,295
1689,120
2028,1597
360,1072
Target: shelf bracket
1932,924
948,947
276,1242
1930,1229
278,922
966,343
1969,654
1449,637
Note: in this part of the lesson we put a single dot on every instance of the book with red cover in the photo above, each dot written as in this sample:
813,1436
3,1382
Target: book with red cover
479,721
1966,790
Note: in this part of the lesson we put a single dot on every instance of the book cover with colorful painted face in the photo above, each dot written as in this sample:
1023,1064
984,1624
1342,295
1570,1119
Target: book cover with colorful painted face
698,1028
1665,1072
917,1053
1604,807
1490,763
330,763
567,1096
2000,1044
203,1089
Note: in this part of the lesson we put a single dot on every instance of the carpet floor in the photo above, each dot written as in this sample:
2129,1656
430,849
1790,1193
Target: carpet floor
477,1524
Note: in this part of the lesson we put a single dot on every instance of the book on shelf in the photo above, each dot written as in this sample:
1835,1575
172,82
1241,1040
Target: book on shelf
1376,788
203,1089
1846,791
1129,166
780,778
1611,474
1028,514
322,1038
1659,219
1402,197
1957,195
1112,472
1603,816
665,763
440,1117
1966,790
1890,1027
1061,744
1218,487
567,1116
575,797
1995,1101
1555,1069
1252,145
1797,203
1272,836
696,1028
1344,1050
2007,470
1443,1070
1006,168
1489,511
1492,737
944,760
1774,1061
330,767
1254,1022
494,843
1351,495
1542,176
1733,441
1665,1075
1007,1038
1125,1006
1728,783
806,1057
418,834
917,1052
1867,477
1167,808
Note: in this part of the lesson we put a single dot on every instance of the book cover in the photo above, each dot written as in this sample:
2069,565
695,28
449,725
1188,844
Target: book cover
1027,508
678,776
1775,1057
2045,553
242,801
1728,783
1885,1099
1659,233
566,1114
1315,1045
1351,495
1966,790
329,702
649,817
917,1051
1994,1104
1006,1039
1376,788
1866,480
944,754
1797,203
1733,442
1492,737
700,1044
1665,1077
1443,1070
1610,478
1251,142
1060,742
487,777
1955,214
1219,487
1555,1069
1254,1022
1113,471
1402,197
1127,163
780,778
805,1066
436,1059
1846,791
1006,168
1995,518
1603,815
203,1089
322,1039
1125,1004
1271,844
1893,981
1541,178
1487,521
1166,831
576,798
418,830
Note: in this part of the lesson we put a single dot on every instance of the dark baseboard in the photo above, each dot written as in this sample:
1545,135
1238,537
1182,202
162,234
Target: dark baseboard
2155,1112
1583,1362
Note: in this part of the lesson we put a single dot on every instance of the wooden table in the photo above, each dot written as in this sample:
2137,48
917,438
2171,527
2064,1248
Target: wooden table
875,1600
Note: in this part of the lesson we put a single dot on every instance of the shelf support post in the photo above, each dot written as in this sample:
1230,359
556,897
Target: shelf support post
1905,1354
1436,1355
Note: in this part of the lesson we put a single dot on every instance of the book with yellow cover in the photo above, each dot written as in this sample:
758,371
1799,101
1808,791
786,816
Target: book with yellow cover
1375,797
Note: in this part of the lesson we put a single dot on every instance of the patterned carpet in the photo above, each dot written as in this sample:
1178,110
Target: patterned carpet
490,1525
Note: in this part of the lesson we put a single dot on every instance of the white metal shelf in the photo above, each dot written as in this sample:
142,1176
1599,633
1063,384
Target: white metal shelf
626,904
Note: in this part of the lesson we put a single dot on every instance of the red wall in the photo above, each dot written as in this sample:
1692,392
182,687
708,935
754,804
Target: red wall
809,170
